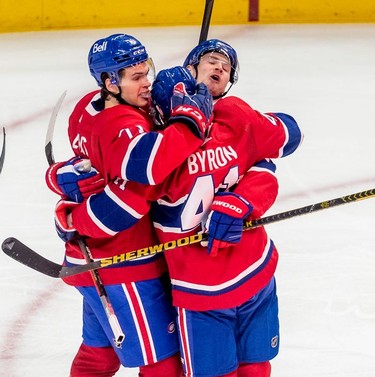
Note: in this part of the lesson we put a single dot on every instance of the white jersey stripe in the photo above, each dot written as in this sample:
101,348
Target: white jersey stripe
229,283
129,150
137,319
97,222
184,335
152,158
262,170
121,204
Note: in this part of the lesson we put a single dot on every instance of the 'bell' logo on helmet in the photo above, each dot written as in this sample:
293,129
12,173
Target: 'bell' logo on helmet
99,47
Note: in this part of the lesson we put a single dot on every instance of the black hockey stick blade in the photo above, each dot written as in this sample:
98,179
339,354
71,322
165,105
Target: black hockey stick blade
23,254
206,20
51,128
2,156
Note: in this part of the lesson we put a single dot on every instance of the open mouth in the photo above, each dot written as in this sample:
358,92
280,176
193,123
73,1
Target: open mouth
146,95
215,78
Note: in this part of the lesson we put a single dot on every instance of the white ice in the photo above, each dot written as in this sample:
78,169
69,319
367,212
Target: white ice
324,75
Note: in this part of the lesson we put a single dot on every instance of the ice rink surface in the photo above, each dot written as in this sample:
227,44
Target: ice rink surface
324,75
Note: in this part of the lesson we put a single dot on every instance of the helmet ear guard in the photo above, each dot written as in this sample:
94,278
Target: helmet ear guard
114,77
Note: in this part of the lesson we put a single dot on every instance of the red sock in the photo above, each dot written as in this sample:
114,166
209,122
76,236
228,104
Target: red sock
254,370
95,361
170,367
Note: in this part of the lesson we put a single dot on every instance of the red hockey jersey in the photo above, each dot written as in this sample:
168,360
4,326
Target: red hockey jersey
234,157
120,145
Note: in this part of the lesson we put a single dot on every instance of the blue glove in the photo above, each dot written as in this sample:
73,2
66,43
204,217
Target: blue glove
194,110
225,221
162,91
64,228
74,179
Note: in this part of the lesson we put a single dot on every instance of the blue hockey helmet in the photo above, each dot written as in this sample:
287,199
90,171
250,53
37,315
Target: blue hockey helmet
113,53
214,45
162,90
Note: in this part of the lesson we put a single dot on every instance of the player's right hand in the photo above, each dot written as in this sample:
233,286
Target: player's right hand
225,221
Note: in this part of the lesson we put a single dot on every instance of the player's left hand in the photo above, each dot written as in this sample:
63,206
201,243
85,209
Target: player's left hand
74,179
225,221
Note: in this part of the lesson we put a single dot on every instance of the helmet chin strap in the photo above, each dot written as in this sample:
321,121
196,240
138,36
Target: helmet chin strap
223,94
119,98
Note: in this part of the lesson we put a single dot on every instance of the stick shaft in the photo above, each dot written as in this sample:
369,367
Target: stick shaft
196,238
119,336
2,156
25,255
311,208
206,20
107,306
51,128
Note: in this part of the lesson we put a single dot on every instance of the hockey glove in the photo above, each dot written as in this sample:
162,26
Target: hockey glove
64,228
225,221
194,110
74,179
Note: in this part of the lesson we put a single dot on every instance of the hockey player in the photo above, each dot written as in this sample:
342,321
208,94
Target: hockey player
112,128
225,294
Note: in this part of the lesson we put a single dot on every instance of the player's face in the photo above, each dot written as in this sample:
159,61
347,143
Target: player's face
214,71
135,85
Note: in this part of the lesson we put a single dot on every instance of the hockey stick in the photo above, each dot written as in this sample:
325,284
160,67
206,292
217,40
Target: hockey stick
206,20
2,156
51,127
107,306
23,254
119,335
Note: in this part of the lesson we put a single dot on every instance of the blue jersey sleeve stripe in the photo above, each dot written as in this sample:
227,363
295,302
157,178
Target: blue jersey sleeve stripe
126,159
265,164
294,135
121,203
108,215
139,163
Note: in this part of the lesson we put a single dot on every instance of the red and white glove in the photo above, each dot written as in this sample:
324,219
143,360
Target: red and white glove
63,222
225,221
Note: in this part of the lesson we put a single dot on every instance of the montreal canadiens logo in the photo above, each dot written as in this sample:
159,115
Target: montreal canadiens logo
171,327
274,341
